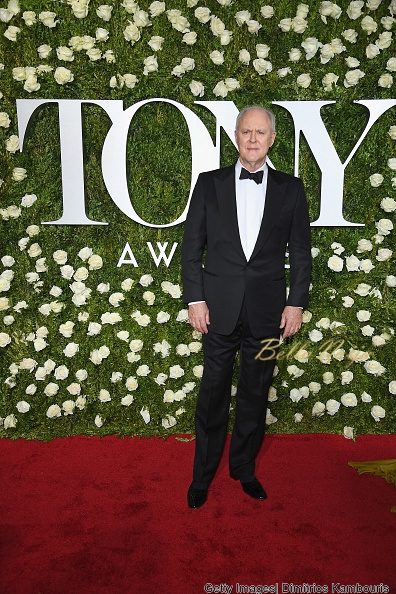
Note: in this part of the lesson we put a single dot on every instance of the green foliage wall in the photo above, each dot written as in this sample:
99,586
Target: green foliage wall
85,358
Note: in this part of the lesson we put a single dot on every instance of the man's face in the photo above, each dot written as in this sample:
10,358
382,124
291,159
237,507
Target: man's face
254,138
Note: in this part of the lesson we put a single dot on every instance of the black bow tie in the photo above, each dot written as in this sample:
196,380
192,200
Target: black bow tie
257,176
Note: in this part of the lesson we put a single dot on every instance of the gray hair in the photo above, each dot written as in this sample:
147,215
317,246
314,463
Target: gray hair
269,113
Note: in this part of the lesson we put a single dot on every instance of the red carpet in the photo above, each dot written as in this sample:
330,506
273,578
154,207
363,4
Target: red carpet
109,516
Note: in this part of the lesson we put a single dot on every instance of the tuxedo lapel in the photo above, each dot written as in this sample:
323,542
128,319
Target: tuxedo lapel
272,208
226,196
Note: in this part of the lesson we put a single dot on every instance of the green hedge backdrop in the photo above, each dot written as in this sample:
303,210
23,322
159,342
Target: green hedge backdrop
91,348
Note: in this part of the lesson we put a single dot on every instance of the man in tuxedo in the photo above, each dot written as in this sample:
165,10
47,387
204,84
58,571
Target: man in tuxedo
241,221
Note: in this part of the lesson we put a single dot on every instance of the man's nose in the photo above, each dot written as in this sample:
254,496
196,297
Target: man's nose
253,137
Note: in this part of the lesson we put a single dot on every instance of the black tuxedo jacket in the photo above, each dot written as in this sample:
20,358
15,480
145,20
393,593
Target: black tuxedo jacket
211,236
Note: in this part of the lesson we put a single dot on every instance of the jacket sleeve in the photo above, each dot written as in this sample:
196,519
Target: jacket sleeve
194,241
300,252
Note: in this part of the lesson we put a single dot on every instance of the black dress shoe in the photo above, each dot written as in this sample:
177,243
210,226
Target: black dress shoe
196,497
254,489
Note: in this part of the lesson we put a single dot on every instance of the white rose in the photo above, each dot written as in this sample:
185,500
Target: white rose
363,315
374,368
127,400
12,144
376,180
262,66
104,396
339,355
161,379
217,57
384,226
385,81
81,375
202,13
145,414
348,432
285,25
44,51
23,406
156,43
94,54
388,204
68,407
5,123
231,84
332,406
197,88
294,54
253,27
295,395
384,40
104,12
99,421
176,371
392,387
5,339
242,16
141,18
378,413
104,351
101,34
378,341
216,25
63,75
387,22
189,38
74,389
150,65
132,33
146,280
329,80
54,411
310,46
115,299
198,371
318,409
352,77
352,263
156,8
71,349
352,62
323,323
143,370
315,335
168,422
267,11
369,25
283,72
335,263
95,262
183,350
383,254
346,377
314,387
131,383
324,357
61,372
390,281
372,51
51,389
299,24
391,65
350,35
65,54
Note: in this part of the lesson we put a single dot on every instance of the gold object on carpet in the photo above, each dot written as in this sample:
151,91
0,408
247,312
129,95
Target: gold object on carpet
384,468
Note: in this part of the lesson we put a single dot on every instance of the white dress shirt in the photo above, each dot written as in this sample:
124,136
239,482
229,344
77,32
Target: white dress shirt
250,200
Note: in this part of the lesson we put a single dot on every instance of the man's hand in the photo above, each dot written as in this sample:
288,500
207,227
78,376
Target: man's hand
198,316
291,320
